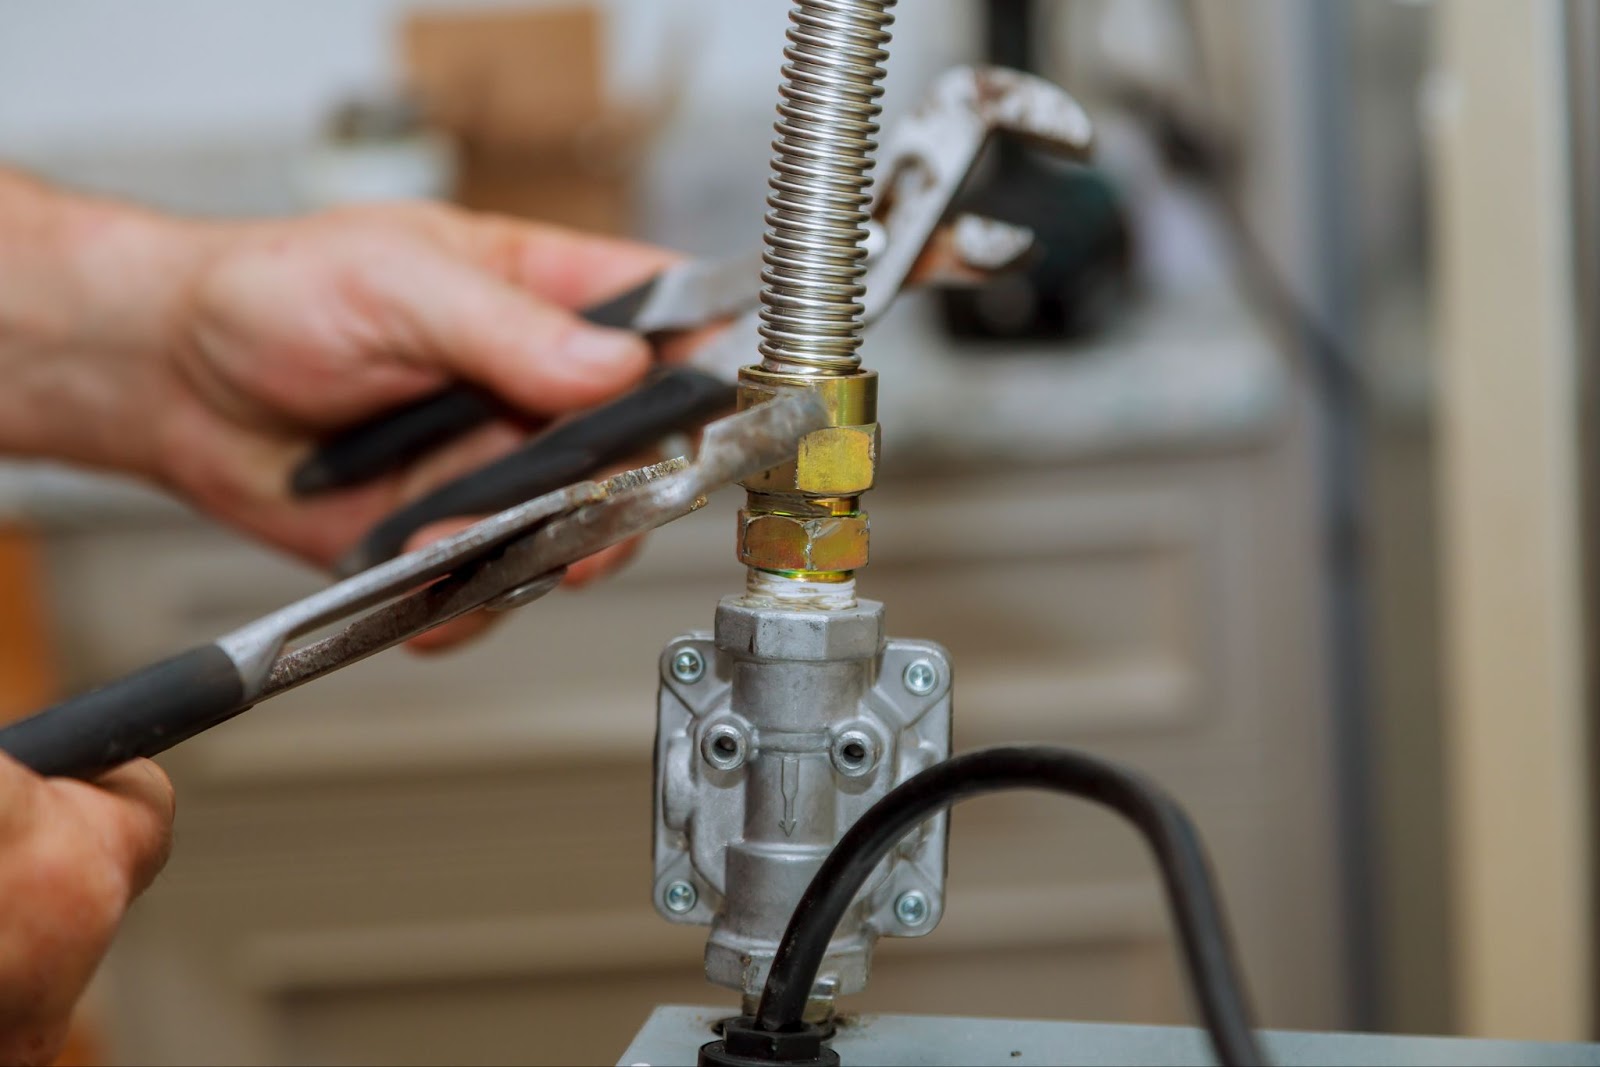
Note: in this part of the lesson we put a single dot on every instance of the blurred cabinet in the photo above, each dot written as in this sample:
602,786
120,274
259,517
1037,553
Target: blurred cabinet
447,860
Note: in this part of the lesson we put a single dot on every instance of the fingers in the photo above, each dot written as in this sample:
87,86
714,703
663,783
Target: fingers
72,855
534,354
127,814
470,627
569,268
604,562
130,809
456,631
142,805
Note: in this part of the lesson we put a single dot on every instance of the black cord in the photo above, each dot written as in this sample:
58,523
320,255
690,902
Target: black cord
1207,952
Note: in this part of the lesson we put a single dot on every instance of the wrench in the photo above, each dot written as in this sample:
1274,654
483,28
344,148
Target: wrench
911,241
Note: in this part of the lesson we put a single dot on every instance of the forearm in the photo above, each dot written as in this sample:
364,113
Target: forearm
87,289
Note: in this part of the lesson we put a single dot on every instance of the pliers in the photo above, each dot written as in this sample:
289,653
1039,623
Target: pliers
548,515
505,561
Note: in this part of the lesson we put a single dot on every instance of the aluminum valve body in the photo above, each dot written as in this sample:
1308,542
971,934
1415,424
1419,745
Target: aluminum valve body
773,736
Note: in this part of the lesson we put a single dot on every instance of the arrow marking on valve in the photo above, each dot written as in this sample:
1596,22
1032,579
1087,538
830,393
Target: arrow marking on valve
789,783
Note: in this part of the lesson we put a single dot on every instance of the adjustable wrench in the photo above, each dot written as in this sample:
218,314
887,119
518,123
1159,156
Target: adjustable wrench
912,240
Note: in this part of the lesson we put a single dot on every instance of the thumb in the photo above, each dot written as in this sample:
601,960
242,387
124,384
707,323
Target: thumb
536,356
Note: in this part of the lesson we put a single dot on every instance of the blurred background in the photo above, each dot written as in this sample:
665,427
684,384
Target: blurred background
1278,491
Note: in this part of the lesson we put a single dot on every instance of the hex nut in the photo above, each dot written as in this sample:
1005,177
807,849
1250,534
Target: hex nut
838,460
776,481
792,543
833,461
752,633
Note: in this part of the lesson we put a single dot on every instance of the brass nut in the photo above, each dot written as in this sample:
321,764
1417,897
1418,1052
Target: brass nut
837,461
790,543
778,481
850,400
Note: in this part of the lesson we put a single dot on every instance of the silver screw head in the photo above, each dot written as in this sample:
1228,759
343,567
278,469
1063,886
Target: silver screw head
921,677
911,908
688,666
680,897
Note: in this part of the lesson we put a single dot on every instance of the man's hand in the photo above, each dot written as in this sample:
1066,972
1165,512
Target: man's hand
285,332
210,358
72,857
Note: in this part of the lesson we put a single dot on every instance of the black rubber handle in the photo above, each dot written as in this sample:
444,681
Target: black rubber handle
672,400
389,441
140,715
392,440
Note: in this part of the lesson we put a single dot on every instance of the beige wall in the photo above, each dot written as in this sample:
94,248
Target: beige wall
1515,743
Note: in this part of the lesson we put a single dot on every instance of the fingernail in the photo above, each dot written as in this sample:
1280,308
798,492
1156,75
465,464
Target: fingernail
602,350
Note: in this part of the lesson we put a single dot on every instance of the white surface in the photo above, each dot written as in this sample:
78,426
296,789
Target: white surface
88,71
52,495
673,1035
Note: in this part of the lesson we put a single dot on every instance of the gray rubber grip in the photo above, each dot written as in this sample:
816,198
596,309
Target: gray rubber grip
139,715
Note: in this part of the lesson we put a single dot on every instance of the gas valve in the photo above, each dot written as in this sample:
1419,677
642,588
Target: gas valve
774,733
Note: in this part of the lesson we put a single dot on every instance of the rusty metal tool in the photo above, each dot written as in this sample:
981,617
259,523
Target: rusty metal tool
507,560
683,297
679,300
673,399
911,239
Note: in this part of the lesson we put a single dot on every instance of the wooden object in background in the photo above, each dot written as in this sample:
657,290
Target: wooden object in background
522,92
29,681
27,666
509,78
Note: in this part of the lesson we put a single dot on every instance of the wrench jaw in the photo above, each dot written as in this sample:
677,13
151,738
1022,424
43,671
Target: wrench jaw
930,154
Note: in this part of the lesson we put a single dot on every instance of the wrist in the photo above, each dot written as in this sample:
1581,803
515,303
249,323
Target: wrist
90,293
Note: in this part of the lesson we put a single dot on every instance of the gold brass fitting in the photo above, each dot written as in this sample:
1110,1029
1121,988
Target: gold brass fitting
804,517
797,545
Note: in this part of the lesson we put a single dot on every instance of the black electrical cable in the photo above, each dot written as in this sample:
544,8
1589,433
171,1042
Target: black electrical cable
1213,973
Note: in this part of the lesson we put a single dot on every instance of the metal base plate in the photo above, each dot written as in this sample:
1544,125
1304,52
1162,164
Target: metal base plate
674,1034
